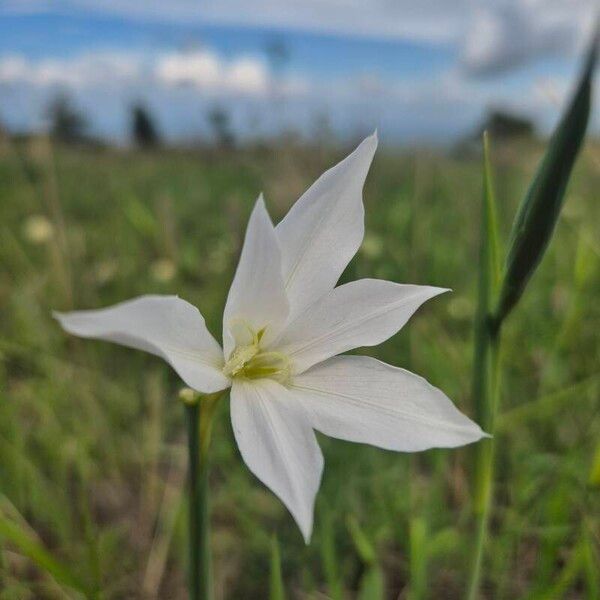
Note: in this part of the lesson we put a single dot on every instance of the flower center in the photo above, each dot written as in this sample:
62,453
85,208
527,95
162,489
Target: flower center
250,361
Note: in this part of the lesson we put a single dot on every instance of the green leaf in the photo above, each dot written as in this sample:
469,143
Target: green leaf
329,557
418,557
595,470
372,585
276,589
364,547
33,549
540,209
489,280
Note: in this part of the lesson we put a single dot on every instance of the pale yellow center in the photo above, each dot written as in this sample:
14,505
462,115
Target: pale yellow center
249,361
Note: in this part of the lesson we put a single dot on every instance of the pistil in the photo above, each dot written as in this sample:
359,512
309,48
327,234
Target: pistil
251,362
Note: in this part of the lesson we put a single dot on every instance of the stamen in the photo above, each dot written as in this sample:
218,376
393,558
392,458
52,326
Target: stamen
238,359
249,362
273,365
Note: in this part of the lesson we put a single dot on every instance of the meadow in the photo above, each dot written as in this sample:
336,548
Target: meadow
92,435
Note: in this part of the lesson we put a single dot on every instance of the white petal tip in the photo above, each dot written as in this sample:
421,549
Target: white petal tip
372,140
441,290
432,291
306,529
70,323
61,317
477,434
259,211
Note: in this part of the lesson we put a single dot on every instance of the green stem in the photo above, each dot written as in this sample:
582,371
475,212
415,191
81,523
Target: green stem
488,378
485,369
199,412
3,566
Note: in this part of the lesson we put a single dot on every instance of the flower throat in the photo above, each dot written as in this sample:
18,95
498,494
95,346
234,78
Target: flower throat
249,361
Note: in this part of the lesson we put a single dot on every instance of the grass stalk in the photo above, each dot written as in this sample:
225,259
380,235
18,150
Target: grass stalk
498,294
486,370
3,564
485,462
199,416
418,558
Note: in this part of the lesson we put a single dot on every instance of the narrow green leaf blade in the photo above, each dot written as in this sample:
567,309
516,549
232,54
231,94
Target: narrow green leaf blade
372,585
540,209
490,224
329,557
364,547
418,557
36,552
487,288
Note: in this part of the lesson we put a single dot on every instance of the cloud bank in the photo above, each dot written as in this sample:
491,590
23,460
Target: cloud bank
182,87
200,69
491,35
502,35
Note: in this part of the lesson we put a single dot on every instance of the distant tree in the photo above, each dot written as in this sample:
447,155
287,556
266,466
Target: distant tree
143,130
501,124
4,138
67,123
278,54
219,121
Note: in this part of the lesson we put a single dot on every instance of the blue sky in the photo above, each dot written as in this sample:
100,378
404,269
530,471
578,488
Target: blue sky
60,35
420,77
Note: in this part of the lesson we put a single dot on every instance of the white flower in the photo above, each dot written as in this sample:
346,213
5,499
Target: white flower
285,324
38,229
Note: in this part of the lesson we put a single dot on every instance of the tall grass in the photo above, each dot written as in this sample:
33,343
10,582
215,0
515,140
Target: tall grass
499,293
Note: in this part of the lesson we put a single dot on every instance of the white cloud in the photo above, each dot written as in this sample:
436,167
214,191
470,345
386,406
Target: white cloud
85,70
201,69
207,72
197,69
506,33
493,34
248,75
431,20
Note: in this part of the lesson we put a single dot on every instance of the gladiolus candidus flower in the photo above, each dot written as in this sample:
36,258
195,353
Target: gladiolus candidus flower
284,326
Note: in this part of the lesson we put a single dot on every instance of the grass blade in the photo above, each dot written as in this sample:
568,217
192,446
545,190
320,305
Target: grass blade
540,209
489,280
33,549
329,557
418,558
372,585
485,369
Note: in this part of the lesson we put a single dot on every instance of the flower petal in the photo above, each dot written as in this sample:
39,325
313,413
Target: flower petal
163,325
361,313
360,399
324,228
278,445
257,296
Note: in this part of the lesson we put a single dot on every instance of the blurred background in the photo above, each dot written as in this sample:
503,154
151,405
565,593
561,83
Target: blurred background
315,69
134,139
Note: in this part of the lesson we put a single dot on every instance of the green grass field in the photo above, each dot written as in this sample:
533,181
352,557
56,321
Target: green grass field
92,436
